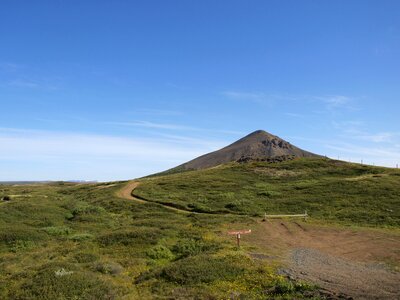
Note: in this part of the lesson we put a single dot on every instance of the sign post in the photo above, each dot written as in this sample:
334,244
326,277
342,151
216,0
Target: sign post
238,233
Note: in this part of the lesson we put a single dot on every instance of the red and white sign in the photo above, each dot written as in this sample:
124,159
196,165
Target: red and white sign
239,232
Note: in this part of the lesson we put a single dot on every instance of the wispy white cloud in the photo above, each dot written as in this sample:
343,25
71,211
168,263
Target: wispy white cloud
157,112
20,76
244,95
153,125
23,83
294,115
263,98
174,127
31,84
92,156
377,137
357,130
28,144
348,124
176,86
329,102
337,101
382,156
10,67
230,132
205,143
257,97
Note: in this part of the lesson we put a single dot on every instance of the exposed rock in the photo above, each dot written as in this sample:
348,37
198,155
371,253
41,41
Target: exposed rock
257,146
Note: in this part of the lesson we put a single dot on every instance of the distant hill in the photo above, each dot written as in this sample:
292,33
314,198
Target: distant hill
329,190
257,146
44,182
22,182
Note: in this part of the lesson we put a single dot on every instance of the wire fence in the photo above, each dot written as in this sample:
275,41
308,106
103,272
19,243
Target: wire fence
305,216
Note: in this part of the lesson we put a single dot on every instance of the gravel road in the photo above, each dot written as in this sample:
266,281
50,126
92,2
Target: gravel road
343,279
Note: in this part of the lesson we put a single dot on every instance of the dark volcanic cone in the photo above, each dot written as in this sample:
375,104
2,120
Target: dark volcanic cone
259,145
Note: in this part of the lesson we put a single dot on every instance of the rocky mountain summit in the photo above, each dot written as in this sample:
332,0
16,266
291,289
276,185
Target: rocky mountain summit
257,146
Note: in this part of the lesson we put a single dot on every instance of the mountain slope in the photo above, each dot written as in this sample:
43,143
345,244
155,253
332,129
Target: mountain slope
329,190
259,145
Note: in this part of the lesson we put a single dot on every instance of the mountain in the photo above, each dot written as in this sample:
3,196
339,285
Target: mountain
258,146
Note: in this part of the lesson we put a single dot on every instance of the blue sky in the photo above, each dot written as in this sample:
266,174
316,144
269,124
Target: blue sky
111,90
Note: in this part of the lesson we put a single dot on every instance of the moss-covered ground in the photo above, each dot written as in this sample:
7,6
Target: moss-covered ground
329,190
69,241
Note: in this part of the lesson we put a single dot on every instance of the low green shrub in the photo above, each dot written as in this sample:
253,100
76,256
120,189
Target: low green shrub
69,216
126,237
81,237
109,268
203,269
197,207
83,208
268,193
62,281
58,230
284,287
189,247
160,252
10,235
236,205
84,257
19,245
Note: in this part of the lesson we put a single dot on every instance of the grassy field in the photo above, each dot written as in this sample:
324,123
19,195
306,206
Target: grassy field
80,241
69,241
329,190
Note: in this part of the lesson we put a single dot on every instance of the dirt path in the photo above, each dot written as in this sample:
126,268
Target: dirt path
126,193
343,277
353,262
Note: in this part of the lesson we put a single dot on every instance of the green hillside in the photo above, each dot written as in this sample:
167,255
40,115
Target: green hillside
74,241
329,190
80,241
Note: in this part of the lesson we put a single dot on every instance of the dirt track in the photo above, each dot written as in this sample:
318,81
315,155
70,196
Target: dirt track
342,261
126,193
341,276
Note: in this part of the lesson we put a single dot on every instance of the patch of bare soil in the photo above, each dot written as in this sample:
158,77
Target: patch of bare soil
348,263
341,276
126,191
106,186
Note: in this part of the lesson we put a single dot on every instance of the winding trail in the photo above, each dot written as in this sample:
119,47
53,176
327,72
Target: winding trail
127,190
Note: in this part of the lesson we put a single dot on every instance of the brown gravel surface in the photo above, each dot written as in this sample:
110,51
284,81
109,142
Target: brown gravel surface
341,276
347,263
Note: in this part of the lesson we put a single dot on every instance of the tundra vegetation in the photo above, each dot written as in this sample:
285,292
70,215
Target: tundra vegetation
80,241
331,191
